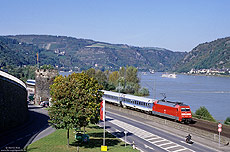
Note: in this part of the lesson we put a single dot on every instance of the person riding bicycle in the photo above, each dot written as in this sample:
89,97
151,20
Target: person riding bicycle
188,138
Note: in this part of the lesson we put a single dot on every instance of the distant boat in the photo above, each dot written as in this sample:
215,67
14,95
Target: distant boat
151,71
167,75
144,73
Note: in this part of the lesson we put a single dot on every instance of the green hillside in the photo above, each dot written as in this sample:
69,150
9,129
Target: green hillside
15,54
73,53
81,54
215,54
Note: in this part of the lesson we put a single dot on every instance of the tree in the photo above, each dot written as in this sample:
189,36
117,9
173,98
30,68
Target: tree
122,72
91,72
113,77
203,113
45,66
131,74
75,102
227,121
100,76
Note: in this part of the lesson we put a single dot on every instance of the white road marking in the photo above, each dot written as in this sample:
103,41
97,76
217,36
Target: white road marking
159,141
165,143
178,150
172,146
146,146
136,130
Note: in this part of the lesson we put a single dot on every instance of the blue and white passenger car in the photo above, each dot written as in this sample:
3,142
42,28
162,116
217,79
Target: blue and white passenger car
130,101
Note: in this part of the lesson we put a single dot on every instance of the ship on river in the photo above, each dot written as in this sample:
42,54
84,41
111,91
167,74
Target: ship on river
169,75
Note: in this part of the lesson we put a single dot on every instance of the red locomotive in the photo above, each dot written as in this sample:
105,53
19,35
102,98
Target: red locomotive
173,110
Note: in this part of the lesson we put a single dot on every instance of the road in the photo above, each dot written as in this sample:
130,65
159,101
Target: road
148,138
37,127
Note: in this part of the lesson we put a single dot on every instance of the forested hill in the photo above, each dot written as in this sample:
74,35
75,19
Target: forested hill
83,53
17,54
215,54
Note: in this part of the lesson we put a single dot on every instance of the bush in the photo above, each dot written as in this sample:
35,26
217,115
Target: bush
46,67
143,92
227,121
202,113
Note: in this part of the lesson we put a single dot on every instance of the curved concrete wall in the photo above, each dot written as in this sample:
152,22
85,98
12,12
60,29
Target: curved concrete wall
13,101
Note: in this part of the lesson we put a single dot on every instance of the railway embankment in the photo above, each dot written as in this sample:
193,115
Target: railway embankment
201,129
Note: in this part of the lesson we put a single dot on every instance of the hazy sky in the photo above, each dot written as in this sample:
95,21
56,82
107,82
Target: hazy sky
178,25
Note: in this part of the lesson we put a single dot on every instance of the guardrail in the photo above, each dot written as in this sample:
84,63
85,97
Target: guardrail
12,78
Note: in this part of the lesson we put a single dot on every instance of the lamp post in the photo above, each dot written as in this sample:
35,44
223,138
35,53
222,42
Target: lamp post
104,122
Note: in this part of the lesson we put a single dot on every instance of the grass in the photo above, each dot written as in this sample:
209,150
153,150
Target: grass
57,142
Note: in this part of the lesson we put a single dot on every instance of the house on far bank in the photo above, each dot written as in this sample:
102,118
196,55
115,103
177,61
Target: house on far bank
210,71
30,87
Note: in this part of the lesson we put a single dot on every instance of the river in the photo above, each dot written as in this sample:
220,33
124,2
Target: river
195,91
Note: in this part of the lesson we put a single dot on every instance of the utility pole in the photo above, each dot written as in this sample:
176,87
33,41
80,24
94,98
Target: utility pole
37,60
154,85
119,93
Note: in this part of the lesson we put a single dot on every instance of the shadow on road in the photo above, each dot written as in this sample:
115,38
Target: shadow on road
23,135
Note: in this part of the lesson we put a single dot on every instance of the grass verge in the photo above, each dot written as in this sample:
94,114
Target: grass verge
57,142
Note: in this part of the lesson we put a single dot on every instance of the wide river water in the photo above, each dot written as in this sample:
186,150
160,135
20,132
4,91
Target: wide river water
195,91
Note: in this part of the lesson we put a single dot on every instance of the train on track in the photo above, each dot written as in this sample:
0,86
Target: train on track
172,110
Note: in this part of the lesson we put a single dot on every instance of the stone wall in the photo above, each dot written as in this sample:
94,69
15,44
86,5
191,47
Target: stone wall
13,102
44,78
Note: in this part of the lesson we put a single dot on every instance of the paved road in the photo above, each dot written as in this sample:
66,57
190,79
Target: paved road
37,127
148,138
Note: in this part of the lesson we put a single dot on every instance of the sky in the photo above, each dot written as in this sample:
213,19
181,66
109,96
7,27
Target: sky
177,25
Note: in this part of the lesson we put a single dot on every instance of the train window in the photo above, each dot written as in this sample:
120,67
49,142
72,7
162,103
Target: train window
187,109
183,109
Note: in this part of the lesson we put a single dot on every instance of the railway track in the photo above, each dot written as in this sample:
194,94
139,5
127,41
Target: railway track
201,127
211,127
